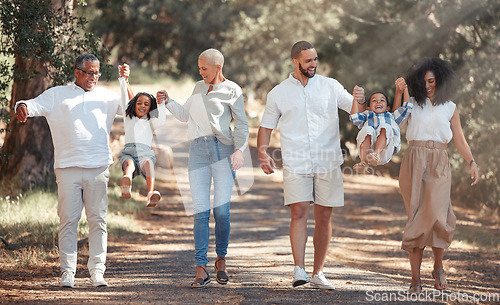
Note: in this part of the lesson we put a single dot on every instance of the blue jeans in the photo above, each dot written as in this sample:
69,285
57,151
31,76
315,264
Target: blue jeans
210,159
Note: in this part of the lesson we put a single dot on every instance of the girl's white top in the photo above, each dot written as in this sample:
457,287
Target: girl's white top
211,113
140,130
430,123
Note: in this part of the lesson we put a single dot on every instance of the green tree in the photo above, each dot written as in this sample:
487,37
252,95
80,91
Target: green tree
165,35
43,38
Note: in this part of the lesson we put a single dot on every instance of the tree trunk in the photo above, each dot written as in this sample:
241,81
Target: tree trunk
28,153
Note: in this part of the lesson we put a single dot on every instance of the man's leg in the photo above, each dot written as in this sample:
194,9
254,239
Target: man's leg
298,191
95,198
322,235
298,231
328,193
69,210
298,239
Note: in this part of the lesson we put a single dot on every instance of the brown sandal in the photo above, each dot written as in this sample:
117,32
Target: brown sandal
415,289
199,282
221,276
438,276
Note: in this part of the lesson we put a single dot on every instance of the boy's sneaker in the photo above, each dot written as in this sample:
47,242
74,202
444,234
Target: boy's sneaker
319,281
67,279
97,279
299,277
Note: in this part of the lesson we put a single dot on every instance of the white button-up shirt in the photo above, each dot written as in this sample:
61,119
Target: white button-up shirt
79,122
309,122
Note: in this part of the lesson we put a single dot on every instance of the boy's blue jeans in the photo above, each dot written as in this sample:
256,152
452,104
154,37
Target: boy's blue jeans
210,159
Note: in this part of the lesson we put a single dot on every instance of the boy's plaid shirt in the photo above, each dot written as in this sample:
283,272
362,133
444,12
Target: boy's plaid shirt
375,119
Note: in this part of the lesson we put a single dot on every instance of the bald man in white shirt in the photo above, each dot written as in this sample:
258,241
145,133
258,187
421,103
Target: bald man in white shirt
306,107
80,116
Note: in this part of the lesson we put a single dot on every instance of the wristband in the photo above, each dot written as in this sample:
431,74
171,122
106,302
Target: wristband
470,163
21,104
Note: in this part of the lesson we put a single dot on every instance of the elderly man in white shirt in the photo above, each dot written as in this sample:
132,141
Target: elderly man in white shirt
306,107
80,116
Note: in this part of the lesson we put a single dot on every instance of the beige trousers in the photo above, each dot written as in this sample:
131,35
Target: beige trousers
425,184
77,188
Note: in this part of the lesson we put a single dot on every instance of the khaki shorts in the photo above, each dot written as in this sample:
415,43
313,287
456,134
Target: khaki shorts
325,189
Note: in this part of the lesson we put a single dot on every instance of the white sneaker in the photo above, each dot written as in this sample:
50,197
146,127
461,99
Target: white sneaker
67,279
153,198
299,277
97,279
319,281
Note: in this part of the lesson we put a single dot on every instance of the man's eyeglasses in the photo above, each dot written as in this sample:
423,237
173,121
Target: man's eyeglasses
91,74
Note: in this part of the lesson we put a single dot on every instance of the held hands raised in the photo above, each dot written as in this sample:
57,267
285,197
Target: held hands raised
162,96
124,71
359,95
400,84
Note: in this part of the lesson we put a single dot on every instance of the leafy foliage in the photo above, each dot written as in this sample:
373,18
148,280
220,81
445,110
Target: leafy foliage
168,35
33,30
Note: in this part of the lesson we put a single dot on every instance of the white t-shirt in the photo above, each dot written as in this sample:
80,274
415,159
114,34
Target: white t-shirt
430,123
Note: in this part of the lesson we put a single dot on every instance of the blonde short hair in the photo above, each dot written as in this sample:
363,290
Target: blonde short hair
213,56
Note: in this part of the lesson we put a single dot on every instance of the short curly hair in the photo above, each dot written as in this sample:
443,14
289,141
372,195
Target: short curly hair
130,112
389,104
444,80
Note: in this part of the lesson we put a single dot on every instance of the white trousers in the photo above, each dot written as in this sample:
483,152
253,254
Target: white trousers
77,188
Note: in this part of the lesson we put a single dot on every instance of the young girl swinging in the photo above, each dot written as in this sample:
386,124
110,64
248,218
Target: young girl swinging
142,117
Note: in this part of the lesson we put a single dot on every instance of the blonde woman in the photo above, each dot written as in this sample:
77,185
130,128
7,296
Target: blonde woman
215,153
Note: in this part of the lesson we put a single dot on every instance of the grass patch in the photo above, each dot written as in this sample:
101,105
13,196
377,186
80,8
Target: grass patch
29,222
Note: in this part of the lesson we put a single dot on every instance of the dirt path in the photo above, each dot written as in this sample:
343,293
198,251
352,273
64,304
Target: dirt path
365,261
